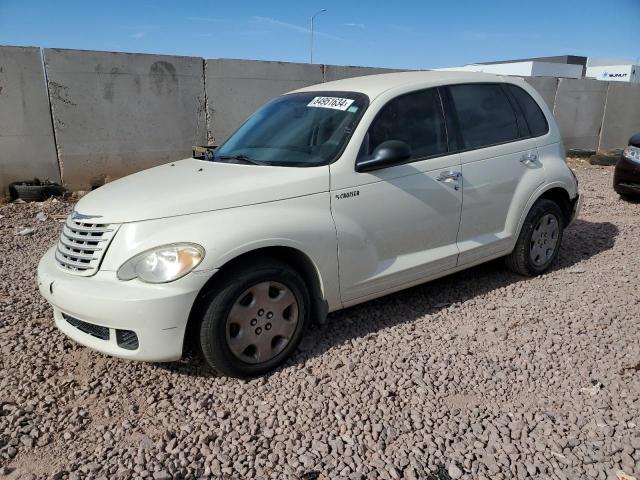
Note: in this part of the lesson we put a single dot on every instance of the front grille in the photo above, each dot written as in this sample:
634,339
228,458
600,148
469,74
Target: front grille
127,339
82,246
94,330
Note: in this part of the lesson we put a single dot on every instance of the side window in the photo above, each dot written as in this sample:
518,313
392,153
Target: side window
484,114
532,113
416,119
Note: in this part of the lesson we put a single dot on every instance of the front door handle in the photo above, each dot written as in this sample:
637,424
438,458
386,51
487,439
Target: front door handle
449,175
529,157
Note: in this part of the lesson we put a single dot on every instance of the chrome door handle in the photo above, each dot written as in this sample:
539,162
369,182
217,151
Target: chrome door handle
449,175
529,157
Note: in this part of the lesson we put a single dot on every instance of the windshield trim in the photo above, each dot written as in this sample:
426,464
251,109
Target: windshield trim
359,96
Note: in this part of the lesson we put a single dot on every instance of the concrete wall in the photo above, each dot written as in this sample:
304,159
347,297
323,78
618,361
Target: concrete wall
579,108
237,88
621,115
118,113
546,87
27,147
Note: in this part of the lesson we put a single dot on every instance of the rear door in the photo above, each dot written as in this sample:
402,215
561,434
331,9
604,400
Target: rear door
499,163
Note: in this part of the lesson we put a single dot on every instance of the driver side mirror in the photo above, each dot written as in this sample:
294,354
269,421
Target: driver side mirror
387,154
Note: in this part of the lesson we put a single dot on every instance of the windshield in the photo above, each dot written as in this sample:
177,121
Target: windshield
298,130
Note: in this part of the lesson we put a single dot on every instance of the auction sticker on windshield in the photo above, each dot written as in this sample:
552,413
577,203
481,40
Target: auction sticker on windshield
336,103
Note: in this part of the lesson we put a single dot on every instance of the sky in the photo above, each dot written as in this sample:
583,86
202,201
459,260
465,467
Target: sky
396,34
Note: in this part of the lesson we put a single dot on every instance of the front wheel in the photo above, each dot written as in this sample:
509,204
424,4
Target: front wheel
255,319
539,241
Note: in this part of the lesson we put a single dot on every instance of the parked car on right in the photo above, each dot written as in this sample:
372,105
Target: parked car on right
626,179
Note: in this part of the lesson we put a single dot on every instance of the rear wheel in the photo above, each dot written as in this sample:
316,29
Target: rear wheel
539,241
255,319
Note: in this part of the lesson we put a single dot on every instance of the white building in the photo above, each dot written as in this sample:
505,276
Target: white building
614,73
523,69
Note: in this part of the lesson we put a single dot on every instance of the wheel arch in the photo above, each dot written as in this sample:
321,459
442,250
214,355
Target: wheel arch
556,192
293,257
560,196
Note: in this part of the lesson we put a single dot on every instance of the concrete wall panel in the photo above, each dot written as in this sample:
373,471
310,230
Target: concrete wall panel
621,116
338,72
578,109
546,87
27,147
237,88
118,113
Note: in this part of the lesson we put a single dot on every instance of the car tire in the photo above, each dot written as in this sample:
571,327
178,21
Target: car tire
539,241
264,307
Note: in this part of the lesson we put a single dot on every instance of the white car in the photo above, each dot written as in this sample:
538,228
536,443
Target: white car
327,197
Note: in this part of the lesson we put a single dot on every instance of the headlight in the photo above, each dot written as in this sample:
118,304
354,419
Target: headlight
162,264
632,153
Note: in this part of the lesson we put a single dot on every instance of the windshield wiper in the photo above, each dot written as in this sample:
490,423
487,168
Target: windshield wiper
241,158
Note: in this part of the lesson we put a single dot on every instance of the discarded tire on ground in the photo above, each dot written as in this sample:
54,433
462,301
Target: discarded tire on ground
605,159
34,191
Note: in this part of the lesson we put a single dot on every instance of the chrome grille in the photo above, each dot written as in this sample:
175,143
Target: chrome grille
82,246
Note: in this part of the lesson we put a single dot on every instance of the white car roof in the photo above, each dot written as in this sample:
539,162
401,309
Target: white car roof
374,85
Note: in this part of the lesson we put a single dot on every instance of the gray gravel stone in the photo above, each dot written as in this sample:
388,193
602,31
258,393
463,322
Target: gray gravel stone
477,375
454,471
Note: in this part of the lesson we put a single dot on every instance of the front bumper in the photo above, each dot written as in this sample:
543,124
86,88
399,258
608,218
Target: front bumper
626,177
577,206
156,313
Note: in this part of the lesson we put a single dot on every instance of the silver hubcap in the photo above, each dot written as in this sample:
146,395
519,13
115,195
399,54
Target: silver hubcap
544,239
261,322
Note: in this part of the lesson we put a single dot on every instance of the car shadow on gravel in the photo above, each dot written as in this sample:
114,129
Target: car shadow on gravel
582,240
635,200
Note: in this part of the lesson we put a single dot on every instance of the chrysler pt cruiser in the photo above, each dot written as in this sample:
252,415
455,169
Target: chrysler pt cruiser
327,197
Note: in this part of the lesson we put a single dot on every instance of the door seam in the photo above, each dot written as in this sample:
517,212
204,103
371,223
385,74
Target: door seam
335,232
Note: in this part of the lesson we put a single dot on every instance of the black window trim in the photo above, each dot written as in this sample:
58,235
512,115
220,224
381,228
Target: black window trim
452,112
444,120
523,126
451,120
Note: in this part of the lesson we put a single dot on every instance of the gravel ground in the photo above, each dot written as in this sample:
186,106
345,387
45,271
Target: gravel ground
482,375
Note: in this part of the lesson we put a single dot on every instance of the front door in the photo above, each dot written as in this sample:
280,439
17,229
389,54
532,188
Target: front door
397,226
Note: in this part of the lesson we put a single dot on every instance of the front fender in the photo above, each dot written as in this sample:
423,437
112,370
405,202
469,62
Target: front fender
303,223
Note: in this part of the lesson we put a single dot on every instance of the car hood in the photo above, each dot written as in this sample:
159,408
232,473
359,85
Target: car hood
193,186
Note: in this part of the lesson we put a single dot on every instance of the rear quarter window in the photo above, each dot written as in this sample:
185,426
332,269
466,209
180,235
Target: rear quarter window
531,110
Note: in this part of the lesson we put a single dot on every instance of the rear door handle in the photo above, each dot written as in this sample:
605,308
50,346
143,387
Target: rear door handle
449,175
529,157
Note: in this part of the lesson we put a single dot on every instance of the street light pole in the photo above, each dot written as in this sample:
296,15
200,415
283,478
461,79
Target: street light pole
311,47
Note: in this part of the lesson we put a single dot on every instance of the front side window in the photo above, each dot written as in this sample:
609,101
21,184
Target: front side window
416,119
297,130
484,114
